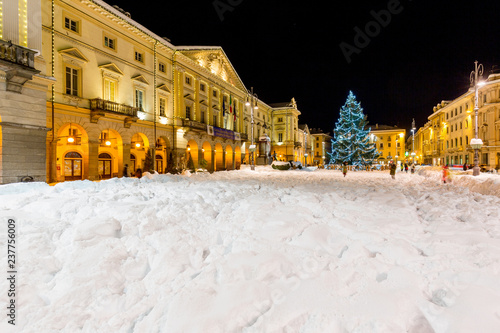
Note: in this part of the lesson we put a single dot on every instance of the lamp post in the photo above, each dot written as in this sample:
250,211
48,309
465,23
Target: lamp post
413,140
476,143
252,103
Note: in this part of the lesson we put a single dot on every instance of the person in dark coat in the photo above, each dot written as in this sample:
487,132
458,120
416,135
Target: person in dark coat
138,173
125,170
344,168
465,167
393,170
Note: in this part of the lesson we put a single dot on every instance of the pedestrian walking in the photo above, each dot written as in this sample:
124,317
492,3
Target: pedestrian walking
413,168
393,170
465,167
406,167
344,168
446,173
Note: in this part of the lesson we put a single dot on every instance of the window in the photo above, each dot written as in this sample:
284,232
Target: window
466,139
460,109
317,144
381,145
72,81
214,93
110,42
484,98
72,24
280,119
202,116
163,103
188,111
466,123
214,120
456,111
139,99
460,125
202,87
280,137
388,145
110,90
162,68
139,56
398,144
187,79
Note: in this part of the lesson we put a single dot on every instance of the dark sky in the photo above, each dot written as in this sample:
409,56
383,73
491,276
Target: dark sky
291,48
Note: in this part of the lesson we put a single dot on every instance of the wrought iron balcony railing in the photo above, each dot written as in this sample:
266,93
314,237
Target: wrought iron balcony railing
98,104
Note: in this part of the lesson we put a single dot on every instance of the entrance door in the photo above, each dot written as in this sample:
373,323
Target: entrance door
73,166
159,163
105,169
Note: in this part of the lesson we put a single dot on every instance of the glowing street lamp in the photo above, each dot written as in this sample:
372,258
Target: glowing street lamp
252,103
476,143
413,128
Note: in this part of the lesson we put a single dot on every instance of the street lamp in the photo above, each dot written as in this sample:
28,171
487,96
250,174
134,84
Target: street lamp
252,103
413,140
476,143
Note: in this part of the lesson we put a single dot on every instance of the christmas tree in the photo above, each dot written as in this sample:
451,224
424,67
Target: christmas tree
350,141
148,162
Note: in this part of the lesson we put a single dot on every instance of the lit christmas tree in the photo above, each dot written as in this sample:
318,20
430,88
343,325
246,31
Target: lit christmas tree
350,141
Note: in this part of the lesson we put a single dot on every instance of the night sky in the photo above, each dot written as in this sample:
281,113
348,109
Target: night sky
421,55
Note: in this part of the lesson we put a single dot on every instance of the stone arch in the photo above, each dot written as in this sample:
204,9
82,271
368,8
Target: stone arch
192,150
237,157
228,157
206,153
218,160
110,142
71,137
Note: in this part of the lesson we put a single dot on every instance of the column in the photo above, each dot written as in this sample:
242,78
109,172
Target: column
93,158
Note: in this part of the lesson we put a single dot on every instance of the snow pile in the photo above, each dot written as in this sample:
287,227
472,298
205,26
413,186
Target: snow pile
256,251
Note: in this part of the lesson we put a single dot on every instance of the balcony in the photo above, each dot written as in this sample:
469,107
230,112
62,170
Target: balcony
297,144
191,124
17,54
99,108
18,63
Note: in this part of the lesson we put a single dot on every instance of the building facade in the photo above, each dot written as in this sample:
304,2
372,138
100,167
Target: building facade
23,88
98,92
446,137
322,145
390,143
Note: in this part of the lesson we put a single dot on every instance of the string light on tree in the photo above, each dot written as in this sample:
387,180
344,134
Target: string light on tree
351,142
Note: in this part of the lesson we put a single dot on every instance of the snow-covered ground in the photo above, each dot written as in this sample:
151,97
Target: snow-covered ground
255,251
